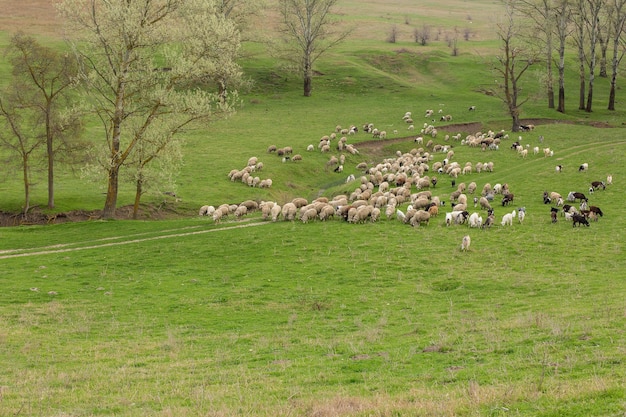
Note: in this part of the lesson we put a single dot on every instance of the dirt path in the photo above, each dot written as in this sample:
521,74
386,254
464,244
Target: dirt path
106,242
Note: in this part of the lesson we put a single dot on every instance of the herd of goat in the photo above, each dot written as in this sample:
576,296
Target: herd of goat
409,178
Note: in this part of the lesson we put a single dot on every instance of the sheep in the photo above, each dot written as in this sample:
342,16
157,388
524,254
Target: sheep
558,168
579,219
484,203
521,214
609,179
206,211
275,212
471,108
420,216
507,219
309,214
465,243
241,211
583,167
310,148
475,220
266,209
266,183
253,161
289,211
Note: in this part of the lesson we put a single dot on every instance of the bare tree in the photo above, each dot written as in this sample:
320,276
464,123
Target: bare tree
453,41
512,64
617,22
541,12
563,29
140,63
20,117
422,35
51,75
593,27
307,34
579,17
393,34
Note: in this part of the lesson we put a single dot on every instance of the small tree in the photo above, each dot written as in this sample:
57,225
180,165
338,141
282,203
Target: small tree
18,134
306,29
393,34
422,35
48,76
512,64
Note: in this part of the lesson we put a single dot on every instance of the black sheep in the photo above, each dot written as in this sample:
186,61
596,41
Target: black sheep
580,220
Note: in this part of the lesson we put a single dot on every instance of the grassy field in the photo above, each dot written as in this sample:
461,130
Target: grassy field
185,317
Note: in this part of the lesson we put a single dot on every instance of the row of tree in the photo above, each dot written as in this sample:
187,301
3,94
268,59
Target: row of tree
543,30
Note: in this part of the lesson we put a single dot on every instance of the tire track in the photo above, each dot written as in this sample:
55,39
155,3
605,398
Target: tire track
125,242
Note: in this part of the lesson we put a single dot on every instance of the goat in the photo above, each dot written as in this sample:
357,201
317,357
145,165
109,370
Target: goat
580,220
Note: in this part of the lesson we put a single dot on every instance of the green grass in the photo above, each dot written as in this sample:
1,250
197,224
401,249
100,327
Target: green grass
190,318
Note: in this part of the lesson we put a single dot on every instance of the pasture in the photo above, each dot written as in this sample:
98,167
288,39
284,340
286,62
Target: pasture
185,317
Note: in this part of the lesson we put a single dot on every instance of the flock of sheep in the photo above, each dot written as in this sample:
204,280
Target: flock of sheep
383,188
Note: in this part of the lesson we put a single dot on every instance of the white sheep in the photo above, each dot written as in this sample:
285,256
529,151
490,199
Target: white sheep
609,179
583,167
288,211
465,243
475,220
309,214
420,216
206,210
507,219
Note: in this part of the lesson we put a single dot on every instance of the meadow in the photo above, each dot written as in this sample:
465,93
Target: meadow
185,317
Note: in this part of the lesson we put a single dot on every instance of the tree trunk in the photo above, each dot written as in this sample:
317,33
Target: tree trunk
581,98
138,192
612,97
111,200
561,107
26,185
50,153
550,82
590,93
308,75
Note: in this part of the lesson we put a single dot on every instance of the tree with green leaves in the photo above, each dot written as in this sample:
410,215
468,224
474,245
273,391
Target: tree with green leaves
142,65
307,30
37,108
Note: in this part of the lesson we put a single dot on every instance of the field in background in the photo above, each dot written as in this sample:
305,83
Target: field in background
188,318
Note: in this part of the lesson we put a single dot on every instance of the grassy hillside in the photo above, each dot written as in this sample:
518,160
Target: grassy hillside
186,317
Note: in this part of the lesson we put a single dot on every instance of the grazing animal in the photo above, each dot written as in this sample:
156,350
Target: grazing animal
465,243
595,185
579,219
583,167
507,219
553,215
609,179
559,168
521,214
596,210
507,199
